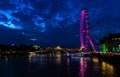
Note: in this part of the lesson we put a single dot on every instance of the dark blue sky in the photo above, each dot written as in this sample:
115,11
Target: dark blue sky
53,22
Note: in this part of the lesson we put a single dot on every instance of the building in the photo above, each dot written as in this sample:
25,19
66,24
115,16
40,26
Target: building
58,48
111,43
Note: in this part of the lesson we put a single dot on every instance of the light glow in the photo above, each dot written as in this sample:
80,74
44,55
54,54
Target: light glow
104,48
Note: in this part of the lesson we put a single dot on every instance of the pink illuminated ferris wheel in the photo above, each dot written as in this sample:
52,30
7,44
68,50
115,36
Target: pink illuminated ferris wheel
85,39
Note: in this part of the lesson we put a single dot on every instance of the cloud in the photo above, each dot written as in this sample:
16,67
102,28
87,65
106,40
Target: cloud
22,5
52,17
39,22
9,21
33,39
10,25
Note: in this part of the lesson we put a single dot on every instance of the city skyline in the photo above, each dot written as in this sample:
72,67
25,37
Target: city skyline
52,23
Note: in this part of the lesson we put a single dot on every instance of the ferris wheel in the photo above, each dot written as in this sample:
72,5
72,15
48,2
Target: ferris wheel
85,39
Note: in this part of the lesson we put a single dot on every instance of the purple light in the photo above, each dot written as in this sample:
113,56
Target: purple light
84,44
82,67
13,44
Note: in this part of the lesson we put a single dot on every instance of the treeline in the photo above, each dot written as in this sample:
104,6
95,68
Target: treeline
7,49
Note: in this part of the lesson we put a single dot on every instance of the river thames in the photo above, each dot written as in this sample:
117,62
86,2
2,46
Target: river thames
56,66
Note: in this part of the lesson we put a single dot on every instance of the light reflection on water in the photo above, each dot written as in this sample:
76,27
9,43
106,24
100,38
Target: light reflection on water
96,64
55,65
82,67
107,69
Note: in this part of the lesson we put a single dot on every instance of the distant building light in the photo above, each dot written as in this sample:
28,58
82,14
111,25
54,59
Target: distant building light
115,38
36,46
119,46
58,48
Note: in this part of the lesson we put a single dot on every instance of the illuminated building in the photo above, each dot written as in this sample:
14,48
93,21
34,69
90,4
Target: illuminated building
58,48
110,43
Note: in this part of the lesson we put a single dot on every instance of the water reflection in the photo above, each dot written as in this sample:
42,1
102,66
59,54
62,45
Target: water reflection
58,54
68,66
107,69
49,65
95,60
37,58
96,64
58,60
45,58
34,57
83,65
5,58
68,61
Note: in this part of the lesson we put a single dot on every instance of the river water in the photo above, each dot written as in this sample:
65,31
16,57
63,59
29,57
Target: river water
56,66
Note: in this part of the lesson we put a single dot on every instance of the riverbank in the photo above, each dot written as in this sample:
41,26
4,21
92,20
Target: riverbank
110,58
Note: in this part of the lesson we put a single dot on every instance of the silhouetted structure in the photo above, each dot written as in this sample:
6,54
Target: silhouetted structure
16,49
110,43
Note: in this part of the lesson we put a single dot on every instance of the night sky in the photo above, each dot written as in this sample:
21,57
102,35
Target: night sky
55,22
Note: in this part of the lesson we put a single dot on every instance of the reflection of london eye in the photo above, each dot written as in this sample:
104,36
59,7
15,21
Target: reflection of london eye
83,66
85,39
